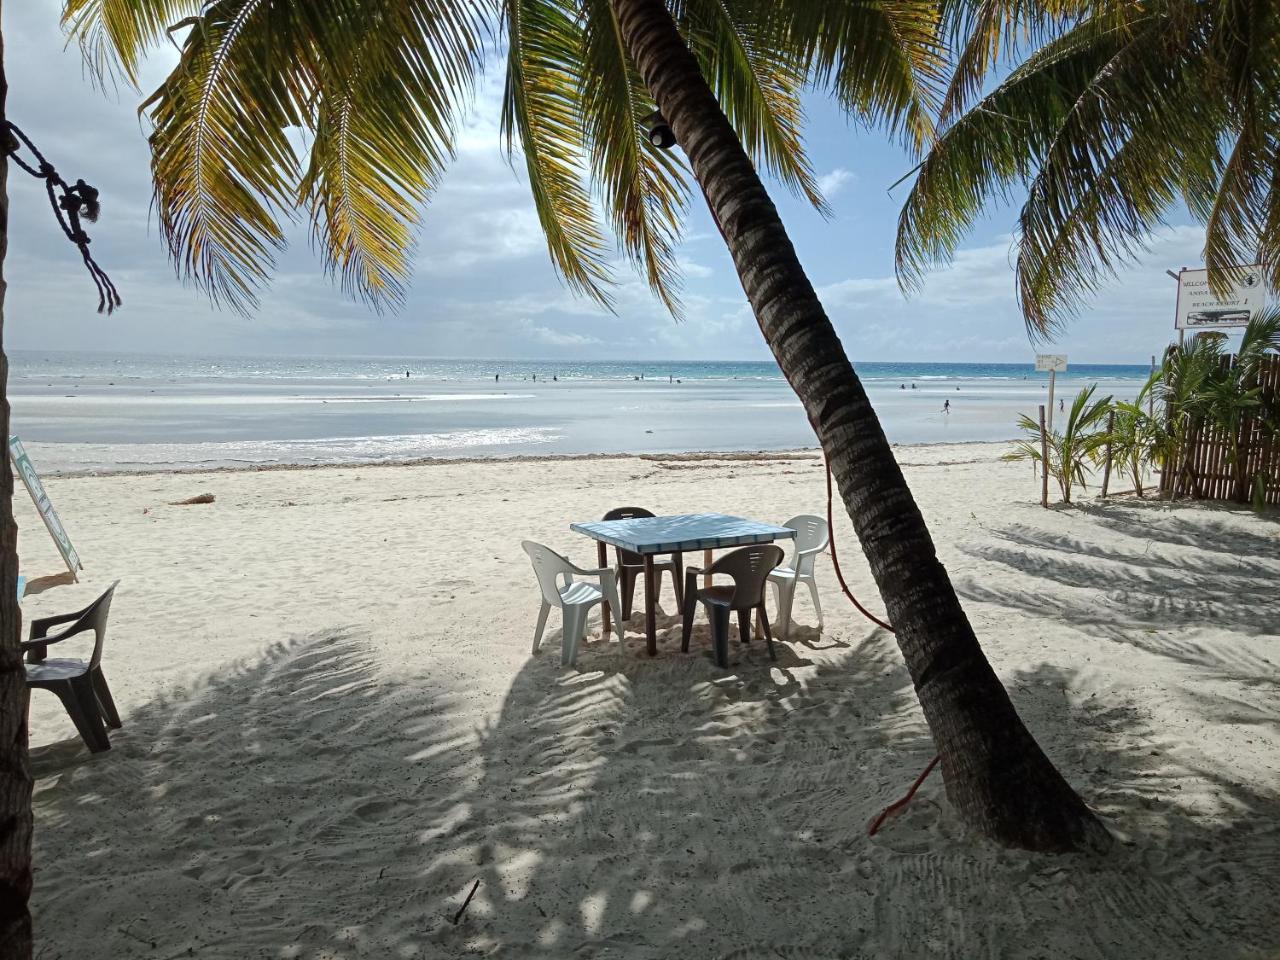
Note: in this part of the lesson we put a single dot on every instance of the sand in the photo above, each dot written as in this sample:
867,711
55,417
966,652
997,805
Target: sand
333,727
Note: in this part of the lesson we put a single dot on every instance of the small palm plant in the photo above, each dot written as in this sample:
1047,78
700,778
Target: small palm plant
1135,434
1070,451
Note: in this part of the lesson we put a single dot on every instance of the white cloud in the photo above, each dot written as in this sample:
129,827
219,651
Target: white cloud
691,268
555,338
833,182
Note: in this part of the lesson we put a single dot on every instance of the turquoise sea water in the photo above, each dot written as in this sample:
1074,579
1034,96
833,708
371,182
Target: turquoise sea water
80,411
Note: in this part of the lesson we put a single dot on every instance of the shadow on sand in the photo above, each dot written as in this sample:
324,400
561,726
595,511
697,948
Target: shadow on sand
316,806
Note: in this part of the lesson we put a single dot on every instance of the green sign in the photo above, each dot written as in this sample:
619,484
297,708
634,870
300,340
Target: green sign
27,471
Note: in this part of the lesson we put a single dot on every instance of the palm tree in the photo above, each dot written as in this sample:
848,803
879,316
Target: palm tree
378,82
1130,109
15,771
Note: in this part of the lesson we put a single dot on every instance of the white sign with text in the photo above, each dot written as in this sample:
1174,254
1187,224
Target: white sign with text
1200,308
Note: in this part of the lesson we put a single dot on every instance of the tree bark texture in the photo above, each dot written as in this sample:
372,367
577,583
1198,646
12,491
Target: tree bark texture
997,777
15,769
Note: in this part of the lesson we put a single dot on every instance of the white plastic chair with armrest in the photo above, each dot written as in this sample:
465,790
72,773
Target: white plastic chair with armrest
575,598
812,537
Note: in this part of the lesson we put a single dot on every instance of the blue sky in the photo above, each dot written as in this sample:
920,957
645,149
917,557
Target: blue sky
484,285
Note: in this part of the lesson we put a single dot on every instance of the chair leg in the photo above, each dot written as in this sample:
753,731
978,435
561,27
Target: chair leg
744,626
542,625
768,634
82,707
105,703
690,608
817,604
611,598
628,591
575,625
786,600
720,635
677,578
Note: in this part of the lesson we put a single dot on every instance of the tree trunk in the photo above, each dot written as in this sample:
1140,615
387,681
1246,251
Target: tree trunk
15,770
997,777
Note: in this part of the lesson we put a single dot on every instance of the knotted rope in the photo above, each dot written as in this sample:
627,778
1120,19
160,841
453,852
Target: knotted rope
71,204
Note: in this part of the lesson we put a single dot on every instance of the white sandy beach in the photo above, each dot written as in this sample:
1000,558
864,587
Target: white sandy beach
333,727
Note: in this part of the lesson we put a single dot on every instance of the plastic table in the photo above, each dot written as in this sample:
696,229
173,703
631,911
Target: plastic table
650,536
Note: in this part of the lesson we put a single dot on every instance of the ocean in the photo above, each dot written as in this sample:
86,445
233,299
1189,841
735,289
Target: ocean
86,412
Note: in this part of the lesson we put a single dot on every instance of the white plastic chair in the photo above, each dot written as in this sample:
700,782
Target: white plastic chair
575,598
812,537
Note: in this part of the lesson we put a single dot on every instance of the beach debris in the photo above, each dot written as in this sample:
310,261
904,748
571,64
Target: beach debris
192,501
466,903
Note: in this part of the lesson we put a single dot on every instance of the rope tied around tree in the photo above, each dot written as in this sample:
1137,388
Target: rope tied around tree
72,204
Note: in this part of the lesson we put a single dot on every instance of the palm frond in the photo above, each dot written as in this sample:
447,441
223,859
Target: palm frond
992,148
542,110
114,35
981,31
882,59
385,113
224,168
758,83
643,187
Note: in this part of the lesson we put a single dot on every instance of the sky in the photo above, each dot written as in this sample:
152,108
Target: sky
484,285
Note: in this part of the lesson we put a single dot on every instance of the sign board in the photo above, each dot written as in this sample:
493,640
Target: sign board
1056,362
26,470
1199,308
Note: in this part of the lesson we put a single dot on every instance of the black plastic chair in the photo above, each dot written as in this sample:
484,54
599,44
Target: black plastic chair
80,686
631,565
749,568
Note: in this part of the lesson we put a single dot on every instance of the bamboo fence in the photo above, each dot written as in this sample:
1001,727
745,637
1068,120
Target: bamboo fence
1204,470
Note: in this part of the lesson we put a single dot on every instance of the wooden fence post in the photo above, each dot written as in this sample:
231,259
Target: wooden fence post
1044,462
1106,470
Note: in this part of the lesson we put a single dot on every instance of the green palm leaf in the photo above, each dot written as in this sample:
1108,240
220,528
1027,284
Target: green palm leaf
542,109
643,187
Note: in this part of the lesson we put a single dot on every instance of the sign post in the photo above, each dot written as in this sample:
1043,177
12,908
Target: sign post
1052,362
23,466
1200,308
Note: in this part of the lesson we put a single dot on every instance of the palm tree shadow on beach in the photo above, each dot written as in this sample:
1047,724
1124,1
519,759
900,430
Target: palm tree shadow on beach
312,806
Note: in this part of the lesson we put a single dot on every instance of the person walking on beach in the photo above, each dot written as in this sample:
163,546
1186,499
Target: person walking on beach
1061,409
946,406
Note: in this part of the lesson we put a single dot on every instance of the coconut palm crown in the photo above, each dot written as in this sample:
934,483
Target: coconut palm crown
1126,109
377,89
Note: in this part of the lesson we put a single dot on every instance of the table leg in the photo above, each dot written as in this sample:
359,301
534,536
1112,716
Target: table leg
602,554
650,601
706,565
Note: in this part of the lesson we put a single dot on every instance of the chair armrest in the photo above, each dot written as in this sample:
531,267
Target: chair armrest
40,627
584,572
37,648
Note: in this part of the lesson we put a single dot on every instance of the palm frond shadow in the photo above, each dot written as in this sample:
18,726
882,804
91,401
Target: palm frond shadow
1132,592
1200,858
1204,525
601,816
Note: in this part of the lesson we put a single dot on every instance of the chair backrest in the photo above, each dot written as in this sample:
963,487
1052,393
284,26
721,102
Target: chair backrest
548,566
625,557
749,567
94,617
812,537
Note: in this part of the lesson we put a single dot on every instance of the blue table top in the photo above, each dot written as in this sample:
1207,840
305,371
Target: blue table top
698,531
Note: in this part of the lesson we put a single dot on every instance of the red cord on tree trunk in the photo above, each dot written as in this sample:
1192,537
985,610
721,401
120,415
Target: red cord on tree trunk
836,563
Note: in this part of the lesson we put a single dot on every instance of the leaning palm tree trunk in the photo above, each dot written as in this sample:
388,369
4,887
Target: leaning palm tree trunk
15,771
997,777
